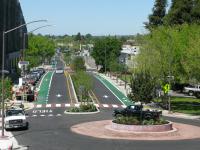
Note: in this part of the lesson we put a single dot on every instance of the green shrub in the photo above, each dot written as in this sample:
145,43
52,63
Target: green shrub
84,108
136,121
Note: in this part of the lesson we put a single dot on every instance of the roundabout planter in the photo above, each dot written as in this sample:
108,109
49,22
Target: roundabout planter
143,128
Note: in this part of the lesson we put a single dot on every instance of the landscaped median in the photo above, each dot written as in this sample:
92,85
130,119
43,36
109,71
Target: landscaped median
121,97
79,84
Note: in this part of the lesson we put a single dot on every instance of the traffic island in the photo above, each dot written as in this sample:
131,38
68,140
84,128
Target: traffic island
83,109
104,129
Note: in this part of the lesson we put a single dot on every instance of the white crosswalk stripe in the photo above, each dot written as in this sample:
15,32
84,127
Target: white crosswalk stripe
38,106
123,106
48,105
97,105
67,105
58,105
77,105
105,105
115,106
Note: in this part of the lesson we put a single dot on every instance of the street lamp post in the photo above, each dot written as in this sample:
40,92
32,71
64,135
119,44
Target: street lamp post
3,66
105,59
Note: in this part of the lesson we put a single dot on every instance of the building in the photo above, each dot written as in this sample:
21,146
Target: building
11,16
128,55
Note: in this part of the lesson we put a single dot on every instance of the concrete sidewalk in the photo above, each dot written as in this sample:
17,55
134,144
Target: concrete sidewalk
179,115
119,84
10,140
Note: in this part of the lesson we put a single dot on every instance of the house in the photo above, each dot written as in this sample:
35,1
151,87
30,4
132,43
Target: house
128,55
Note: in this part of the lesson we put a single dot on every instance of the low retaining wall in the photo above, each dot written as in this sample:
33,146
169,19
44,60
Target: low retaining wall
142,128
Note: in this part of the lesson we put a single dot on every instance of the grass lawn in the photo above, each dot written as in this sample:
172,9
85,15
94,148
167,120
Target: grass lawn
185,105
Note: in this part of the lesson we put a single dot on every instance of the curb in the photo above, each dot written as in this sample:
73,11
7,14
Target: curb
82,113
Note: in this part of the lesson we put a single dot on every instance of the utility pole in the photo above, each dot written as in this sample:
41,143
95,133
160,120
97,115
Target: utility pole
105,59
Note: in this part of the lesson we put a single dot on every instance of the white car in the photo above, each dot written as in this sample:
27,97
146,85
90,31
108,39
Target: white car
15,118
59,70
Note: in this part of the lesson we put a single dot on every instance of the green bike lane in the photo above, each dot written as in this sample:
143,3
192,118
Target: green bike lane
44,88
120,96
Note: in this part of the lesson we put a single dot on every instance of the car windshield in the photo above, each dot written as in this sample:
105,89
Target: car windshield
14,113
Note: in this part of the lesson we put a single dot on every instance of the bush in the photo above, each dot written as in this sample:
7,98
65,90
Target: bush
135,121
84,108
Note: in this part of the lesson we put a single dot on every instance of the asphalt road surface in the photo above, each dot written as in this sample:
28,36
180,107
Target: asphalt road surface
53,133
59,91
50,127
103,94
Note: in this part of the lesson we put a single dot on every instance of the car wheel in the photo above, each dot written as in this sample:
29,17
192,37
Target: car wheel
27,126
190,93
148,117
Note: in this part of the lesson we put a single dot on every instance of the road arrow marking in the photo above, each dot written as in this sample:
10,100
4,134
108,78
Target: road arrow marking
58,95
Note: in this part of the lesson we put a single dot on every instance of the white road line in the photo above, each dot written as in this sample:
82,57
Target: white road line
42,115
58,115
48,105
77,105
67,105
58,105
39,106
105,105
115,106
34,116
50,115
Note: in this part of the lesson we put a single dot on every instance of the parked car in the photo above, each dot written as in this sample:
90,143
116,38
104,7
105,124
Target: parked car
192,90
41,70
15,118
137,111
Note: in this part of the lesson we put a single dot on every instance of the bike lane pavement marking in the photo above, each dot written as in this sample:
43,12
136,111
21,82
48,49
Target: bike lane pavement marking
122,98
43,93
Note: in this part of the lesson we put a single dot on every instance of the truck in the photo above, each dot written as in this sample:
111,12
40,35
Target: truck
16,118
193,90
137,111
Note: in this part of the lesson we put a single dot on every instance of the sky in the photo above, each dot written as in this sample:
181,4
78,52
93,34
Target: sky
97,17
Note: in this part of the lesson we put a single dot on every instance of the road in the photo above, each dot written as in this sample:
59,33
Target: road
50,127
59,91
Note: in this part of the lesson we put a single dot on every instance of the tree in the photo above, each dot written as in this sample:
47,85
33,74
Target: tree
143,87
196,11
40,49
156,18
171,50
105,50
180,12
83,84
78,64
7,88
78,37
88,36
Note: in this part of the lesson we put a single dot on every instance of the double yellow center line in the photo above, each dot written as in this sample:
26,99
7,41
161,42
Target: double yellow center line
67,80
